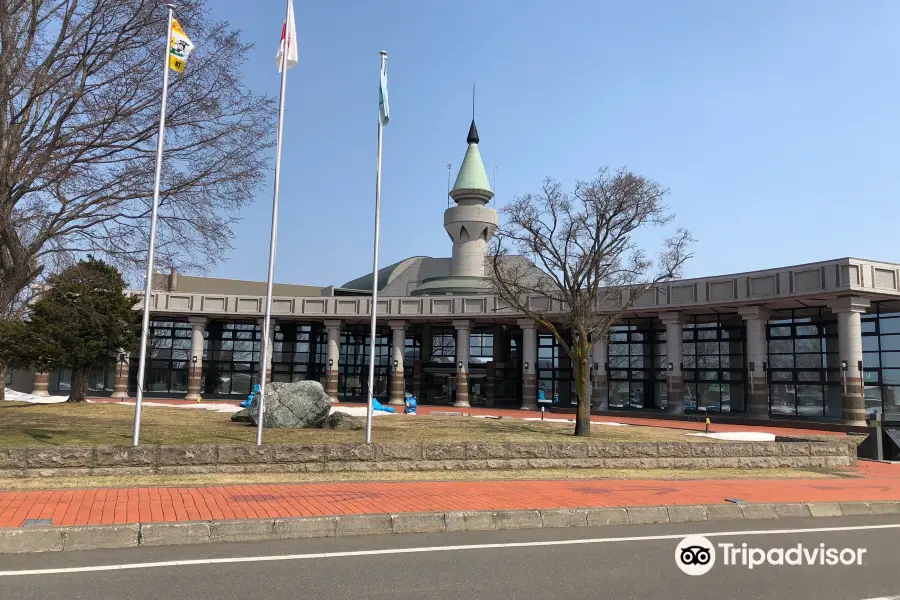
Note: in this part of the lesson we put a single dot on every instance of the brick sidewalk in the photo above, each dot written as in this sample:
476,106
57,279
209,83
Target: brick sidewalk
874,482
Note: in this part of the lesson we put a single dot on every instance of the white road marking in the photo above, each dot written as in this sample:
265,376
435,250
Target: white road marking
885,598
389,551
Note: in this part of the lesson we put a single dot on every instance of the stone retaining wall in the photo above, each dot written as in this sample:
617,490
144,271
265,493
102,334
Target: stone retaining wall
147,460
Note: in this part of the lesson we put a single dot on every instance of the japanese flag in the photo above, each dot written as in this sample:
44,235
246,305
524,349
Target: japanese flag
288,41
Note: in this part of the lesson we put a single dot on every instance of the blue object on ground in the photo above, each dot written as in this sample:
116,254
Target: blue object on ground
249,401
376,405
410,405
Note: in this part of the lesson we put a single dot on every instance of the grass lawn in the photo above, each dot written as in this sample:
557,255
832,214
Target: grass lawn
88,424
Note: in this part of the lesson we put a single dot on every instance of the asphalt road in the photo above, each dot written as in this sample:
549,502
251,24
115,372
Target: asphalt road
559,564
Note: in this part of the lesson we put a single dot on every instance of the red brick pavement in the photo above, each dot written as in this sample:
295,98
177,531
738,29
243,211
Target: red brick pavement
872,482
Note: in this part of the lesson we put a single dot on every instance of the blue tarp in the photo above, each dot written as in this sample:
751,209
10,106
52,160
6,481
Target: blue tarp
249,401
376,405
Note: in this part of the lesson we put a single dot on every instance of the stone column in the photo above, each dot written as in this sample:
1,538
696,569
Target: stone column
757,353
195,369
398,346
674,323
848,311
599,382
41,384
463,328
120,383
333,329
529,364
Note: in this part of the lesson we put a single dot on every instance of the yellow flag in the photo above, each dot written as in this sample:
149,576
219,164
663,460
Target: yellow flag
180,47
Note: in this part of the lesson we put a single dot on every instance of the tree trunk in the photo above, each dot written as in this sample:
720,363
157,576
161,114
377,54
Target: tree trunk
78,392
2,381
582,372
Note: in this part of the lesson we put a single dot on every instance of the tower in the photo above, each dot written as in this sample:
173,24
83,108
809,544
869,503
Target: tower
470,223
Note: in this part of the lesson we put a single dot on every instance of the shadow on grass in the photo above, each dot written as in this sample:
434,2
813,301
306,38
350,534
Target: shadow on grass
39,435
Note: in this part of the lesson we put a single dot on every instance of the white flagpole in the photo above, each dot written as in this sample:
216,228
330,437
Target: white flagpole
148,284
273,236
369,404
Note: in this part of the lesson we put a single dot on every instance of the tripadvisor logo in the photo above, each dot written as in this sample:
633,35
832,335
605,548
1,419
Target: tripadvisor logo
696,555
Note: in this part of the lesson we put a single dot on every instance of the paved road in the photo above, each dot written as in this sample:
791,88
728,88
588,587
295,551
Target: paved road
555,564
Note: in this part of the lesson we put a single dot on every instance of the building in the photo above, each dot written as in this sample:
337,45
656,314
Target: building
815,341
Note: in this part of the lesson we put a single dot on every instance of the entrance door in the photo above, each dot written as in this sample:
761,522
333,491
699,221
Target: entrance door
438,387
477,387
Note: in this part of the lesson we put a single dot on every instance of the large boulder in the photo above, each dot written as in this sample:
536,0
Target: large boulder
241,416
301,404
341,420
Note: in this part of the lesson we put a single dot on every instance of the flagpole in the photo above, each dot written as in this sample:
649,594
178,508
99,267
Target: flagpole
264,355
371,394
148,283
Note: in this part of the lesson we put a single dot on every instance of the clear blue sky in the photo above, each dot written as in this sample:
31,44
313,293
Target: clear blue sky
774,123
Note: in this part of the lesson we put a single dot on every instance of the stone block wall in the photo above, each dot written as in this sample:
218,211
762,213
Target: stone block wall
297,458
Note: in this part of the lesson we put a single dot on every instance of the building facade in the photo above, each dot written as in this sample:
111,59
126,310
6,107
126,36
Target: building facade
815,341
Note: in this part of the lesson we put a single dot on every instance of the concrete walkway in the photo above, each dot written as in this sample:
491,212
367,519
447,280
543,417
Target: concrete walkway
872,482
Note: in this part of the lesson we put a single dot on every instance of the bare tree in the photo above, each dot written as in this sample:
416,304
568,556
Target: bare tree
580,268
80,91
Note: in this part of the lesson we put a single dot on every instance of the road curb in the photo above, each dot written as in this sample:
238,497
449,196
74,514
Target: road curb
131,535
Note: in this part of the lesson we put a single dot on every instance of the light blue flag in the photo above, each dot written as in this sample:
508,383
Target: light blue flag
384,111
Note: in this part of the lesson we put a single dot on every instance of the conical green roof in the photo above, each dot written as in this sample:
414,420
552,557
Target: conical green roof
472,176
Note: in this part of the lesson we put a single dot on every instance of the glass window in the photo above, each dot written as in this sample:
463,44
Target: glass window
881,357
353,367
890,342
889,360
872,399
168,349
870,343
412,350
799,362
555,370
808,361
713,361
781,361
890,397
443,344
481,347
886,326
781,346
782,399
233,363
637,363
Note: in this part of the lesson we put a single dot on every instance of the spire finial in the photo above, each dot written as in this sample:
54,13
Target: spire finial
472,138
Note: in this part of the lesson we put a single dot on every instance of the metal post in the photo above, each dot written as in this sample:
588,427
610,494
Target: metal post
369,404
148,283
273,238
449,167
